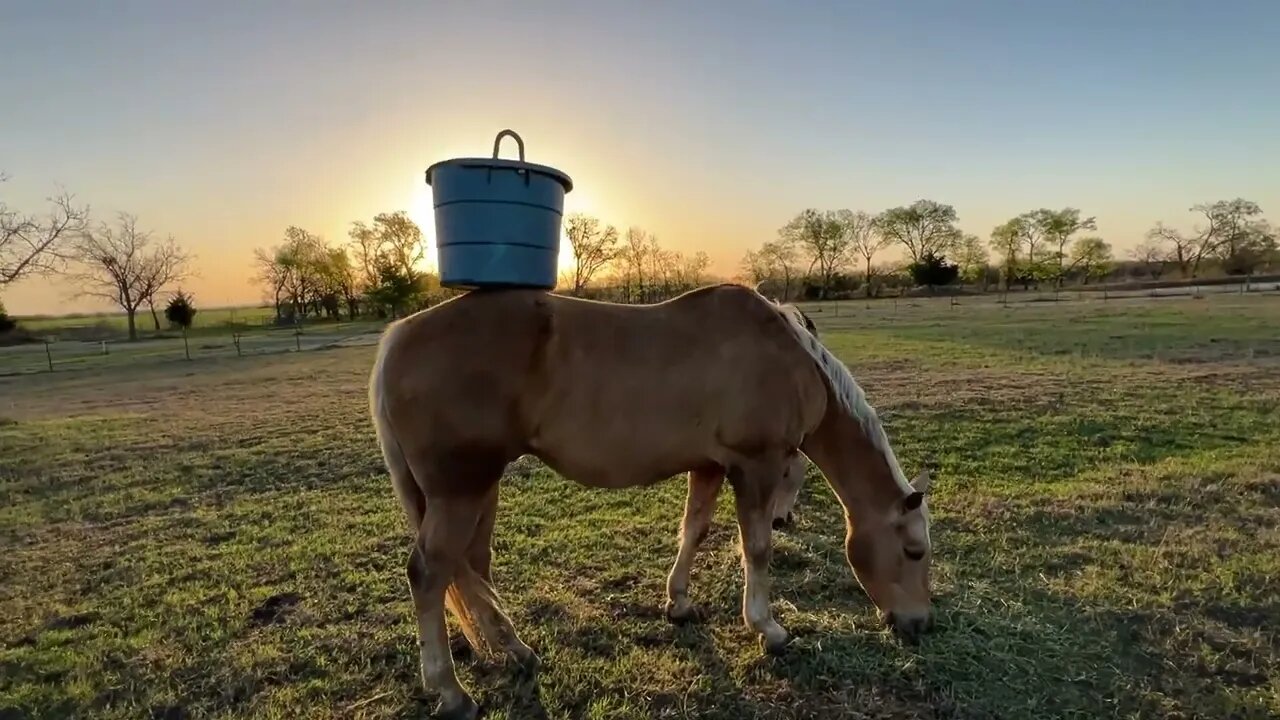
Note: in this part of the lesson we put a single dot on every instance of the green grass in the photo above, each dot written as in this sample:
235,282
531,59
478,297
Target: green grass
218,539
205,318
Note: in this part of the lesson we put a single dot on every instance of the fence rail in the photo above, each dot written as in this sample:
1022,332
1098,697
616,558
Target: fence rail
53,355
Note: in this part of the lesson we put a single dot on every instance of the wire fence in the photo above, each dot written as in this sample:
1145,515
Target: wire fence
55,355
958,297
66,351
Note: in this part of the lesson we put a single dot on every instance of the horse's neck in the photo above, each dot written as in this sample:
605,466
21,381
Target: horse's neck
860,469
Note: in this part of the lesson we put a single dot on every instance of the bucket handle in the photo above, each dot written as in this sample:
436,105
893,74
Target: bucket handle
498,141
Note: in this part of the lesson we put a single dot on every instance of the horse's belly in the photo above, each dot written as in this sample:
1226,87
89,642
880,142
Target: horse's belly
592,465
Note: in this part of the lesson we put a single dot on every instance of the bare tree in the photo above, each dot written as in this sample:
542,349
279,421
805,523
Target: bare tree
1226,221
122,266
366,245
593,248
274,275
168,264
755,267
31,245
780,257
1181,248
637,260
924,227
1244,238
1152,254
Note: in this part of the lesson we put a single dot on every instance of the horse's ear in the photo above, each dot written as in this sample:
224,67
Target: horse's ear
921,483
912,501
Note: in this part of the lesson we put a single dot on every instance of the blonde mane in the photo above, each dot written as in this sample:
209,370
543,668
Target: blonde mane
852,399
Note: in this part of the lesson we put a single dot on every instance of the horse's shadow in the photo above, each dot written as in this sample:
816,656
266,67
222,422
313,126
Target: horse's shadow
549,628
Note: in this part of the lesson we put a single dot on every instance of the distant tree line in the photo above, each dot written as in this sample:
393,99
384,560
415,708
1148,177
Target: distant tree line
628,267
375,273
831,254
818,254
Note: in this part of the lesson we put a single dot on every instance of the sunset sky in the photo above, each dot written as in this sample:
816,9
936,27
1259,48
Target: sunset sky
708,123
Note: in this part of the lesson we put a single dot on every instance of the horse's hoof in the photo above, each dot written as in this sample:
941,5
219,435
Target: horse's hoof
465,709
775,646
679,614
527,663
782,523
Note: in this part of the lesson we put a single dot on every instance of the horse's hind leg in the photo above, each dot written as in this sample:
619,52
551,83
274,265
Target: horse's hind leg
753,484
448,524
473,599
704,486
785,495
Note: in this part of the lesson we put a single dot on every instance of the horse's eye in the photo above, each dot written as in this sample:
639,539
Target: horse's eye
913,554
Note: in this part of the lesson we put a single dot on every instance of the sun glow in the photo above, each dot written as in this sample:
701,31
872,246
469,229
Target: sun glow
421,212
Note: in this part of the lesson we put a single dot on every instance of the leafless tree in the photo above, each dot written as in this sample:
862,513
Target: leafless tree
636,261
274,275
1182,249
366,246
31,245
1226,222
121,265
1152,254
168,264
593,248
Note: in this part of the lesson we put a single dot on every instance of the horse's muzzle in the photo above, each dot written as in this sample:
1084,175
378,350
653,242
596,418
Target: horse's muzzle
908,627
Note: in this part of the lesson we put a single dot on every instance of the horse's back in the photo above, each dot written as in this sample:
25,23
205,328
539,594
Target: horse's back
501,373
687,379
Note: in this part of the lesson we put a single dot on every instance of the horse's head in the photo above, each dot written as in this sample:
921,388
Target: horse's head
889,550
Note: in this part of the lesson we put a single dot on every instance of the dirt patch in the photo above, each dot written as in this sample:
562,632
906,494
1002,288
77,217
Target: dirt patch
274,609
71,622
169,712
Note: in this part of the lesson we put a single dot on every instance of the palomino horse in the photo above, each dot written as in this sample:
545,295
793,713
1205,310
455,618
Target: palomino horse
718,382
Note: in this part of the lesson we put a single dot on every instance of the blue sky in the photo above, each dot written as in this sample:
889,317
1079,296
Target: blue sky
710,124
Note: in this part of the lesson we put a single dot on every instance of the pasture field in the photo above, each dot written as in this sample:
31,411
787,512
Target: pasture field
219,539
205,318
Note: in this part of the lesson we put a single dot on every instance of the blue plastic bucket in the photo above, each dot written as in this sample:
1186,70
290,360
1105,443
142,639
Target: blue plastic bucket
497,221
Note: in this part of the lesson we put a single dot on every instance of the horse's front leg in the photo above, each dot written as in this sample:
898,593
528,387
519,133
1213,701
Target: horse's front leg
753,487
704,487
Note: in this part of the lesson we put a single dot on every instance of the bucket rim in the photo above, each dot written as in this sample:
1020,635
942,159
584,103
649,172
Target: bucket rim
476,162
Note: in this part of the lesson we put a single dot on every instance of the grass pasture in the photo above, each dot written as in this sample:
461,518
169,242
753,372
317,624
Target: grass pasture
219,539
206,318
